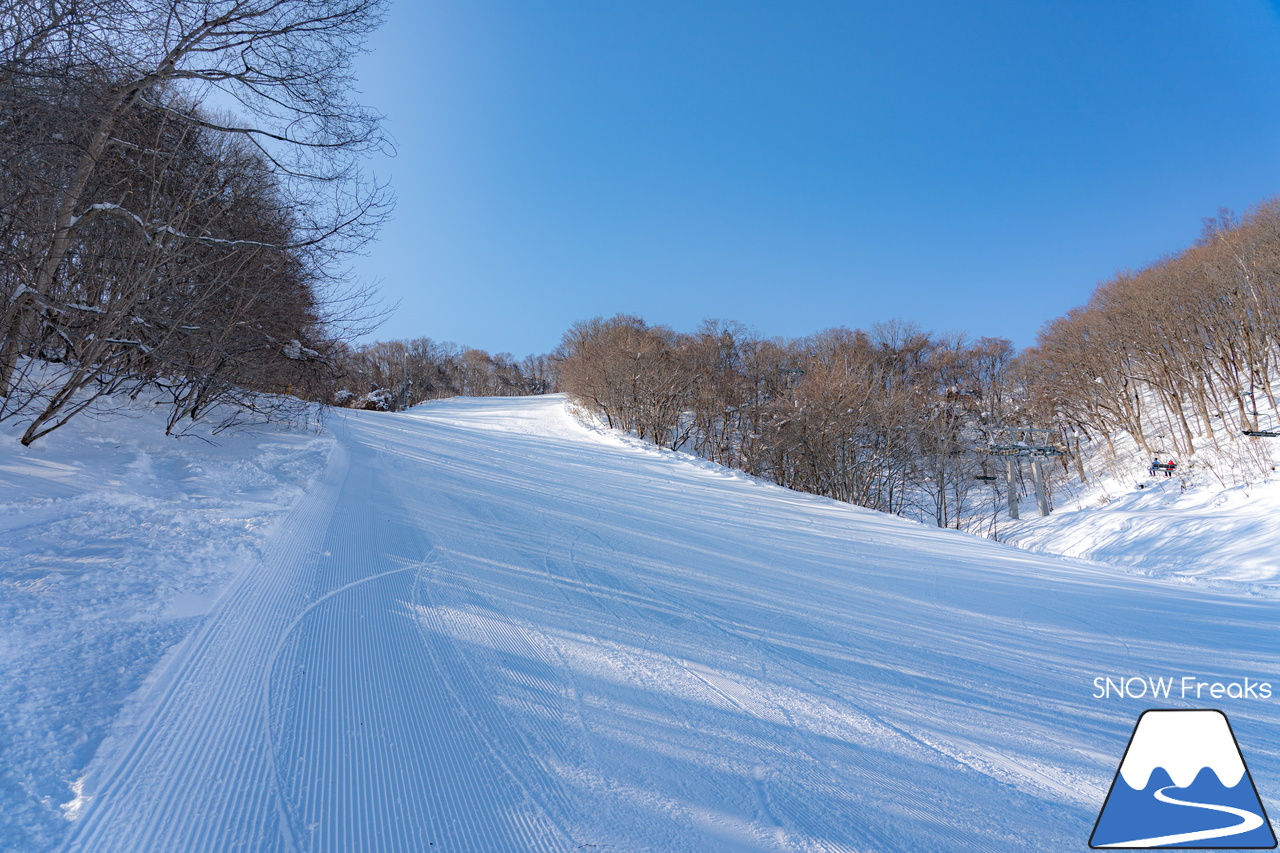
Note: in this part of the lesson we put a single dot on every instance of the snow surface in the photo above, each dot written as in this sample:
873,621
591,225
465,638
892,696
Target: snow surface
486,627
1167,527
114,541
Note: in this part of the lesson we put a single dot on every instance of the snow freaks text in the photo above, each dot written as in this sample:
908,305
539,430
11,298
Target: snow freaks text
1186,687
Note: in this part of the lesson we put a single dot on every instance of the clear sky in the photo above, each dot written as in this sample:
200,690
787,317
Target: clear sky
973,166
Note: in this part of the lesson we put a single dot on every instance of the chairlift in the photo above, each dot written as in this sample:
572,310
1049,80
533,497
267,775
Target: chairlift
1019,442
1016,444
1262,433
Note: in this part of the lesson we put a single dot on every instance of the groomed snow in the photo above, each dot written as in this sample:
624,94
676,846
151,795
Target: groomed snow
486,627
114,541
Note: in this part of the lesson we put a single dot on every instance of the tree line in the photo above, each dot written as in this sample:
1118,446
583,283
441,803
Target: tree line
887,419
153,238
392,375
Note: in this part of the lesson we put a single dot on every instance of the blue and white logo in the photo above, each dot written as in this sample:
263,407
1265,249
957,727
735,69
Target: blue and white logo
1183,783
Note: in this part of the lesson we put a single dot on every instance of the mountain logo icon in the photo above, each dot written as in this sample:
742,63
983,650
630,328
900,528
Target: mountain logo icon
1183,783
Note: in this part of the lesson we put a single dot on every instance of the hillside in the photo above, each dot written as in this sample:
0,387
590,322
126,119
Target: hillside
1215,521
1201,533
486,627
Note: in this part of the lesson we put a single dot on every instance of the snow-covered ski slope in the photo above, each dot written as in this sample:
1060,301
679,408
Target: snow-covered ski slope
488,628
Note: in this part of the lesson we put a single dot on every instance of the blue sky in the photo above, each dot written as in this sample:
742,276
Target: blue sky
968,166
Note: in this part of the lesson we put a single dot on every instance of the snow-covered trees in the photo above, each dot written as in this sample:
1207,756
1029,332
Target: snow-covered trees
150,235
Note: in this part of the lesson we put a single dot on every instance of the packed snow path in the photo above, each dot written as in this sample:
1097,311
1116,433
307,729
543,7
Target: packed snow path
491,629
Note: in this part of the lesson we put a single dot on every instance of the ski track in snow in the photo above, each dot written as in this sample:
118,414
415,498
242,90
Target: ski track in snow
488,628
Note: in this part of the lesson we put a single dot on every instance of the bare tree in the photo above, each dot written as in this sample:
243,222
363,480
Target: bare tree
264,191
637,377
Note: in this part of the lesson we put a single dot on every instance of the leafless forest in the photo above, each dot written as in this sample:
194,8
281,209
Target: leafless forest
389,375
1181,356
178,191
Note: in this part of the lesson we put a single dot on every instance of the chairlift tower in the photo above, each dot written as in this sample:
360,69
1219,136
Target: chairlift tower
1016,444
